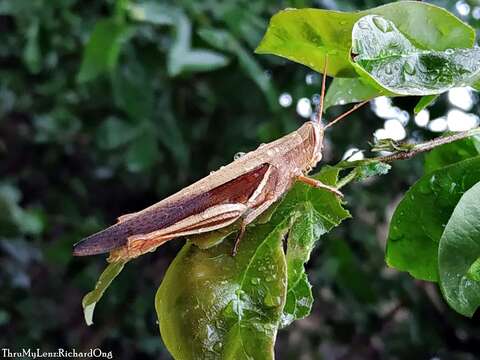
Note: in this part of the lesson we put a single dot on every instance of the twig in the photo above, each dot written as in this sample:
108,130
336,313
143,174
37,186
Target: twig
427,146
401,155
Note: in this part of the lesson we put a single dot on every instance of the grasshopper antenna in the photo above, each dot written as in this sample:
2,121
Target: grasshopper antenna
334,121
319,113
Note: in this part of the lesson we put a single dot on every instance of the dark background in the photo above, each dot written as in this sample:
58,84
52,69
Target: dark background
74,156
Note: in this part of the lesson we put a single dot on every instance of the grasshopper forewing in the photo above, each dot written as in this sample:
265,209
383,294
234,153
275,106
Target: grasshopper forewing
238,192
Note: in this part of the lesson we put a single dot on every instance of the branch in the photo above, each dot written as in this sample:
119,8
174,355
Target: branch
402,155
427,146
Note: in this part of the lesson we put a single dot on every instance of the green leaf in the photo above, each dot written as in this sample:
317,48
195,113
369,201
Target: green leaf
93,297
31,53
320,212
394,64
212,305
372,169
424,102
102,49
114,132
459,255
420,218
133,90
348,90
225,41
307,35
451,153
143,152
182,61
152,12
181,57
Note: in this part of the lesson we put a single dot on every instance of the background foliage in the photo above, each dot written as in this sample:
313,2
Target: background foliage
160,104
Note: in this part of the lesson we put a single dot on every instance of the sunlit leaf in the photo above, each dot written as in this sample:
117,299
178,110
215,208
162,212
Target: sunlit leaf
393,63
420,218
459,255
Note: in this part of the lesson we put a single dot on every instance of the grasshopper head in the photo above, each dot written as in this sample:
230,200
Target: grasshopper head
312,134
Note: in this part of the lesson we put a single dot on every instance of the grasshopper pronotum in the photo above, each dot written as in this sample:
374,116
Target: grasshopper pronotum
238,192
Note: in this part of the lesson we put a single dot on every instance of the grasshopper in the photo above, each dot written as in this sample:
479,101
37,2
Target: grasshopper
236,193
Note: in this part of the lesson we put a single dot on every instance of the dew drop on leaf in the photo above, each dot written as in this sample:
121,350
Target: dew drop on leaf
409,68
382,24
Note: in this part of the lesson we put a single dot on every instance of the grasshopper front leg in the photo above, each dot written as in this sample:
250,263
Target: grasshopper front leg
318,184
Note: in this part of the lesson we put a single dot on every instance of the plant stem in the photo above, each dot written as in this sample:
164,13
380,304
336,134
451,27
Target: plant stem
401,155
427,146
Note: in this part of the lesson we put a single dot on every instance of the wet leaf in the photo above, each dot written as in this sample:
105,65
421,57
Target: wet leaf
348,90
103,48
420,218
451,153
213,306
90,300
306,36
459,255
372,169
394,64
320,212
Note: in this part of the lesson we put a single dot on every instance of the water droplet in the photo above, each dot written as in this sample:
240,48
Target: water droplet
238,155
409,68
363,25
343,22
382,24
388,69
449,51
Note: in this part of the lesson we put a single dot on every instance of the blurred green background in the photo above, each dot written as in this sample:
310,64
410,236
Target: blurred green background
81,144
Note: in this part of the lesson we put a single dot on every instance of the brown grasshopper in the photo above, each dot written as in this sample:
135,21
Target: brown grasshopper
236,193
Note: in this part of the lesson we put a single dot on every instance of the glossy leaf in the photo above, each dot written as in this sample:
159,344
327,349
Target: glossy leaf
451,153
320,212
103,48
306,36
459,255
93,297
420,218
211,305
393,63
348,90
